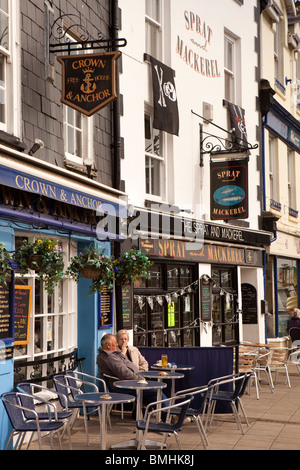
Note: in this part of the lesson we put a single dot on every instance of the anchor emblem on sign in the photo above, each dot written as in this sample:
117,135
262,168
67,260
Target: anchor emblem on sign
88,86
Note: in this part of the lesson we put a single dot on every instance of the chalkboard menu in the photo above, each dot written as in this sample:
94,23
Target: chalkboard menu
5,316
205,298
249,304
127,306
105,308
22,313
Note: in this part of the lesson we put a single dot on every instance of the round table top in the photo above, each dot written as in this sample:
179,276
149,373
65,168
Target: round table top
156,374
139,384
173,369
105,397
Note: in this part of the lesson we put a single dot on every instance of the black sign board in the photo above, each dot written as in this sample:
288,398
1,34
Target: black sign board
105,308
5,316
229,190
127,306
205,296
6,353
89,81
22,313
249,304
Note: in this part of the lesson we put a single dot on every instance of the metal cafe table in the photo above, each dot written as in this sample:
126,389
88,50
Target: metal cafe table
103,400
159,375
139,386
173,370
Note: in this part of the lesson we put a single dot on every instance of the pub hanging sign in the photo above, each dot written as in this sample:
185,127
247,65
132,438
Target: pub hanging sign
89,81
229,190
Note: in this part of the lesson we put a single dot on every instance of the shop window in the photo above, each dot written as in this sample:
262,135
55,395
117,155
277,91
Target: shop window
287,292
273,170
53,317
225,320
166,306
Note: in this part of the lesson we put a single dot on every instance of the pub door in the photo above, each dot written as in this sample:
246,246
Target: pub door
224,316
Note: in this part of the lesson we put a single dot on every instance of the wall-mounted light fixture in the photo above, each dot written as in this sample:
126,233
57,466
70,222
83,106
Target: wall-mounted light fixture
38,144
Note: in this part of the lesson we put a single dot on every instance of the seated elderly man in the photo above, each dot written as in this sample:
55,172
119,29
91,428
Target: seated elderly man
112,361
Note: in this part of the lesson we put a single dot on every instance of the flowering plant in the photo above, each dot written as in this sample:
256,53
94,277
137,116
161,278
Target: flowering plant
132,265
45,257
92,264
5,268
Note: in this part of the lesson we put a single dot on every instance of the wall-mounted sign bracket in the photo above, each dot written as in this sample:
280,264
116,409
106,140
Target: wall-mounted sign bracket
221,146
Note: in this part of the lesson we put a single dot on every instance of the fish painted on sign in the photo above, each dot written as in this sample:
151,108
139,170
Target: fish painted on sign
229,195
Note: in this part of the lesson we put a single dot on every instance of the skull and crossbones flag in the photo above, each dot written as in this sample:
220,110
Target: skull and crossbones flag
238,123
166,116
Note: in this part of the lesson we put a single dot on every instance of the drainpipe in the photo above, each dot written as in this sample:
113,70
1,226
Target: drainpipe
116,143
116,160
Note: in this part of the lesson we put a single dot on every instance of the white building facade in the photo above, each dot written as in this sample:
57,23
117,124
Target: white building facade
192,169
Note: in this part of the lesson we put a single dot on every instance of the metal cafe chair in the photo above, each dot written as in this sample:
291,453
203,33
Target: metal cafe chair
31,389
233,397
146,425
69,387
202,395
279,360
21,425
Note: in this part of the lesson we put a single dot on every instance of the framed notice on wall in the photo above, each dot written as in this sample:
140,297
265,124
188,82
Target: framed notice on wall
205,300
5,314
105,312
127,306
22,314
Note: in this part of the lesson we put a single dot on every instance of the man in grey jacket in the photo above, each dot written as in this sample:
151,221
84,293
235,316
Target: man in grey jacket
111,361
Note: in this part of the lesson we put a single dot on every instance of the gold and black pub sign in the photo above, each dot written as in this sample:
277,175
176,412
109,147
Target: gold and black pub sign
89,81
229,190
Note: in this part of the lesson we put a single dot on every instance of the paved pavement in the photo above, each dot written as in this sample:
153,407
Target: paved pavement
274,424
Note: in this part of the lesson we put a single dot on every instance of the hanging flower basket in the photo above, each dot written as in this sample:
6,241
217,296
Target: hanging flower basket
92,264
5,267
131,266
45,257
90,273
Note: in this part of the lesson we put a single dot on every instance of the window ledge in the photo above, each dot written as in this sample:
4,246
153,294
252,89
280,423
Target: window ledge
82,169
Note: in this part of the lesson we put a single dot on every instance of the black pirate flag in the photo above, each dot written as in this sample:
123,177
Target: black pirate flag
89,81
237,122
166,116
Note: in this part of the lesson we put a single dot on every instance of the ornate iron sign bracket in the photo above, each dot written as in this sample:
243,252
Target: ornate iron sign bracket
58,37
222,146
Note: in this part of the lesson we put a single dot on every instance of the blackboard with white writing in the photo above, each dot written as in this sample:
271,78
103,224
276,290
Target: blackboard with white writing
22,314
249,304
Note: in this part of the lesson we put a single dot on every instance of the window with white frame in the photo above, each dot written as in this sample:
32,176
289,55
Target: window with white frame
9,67
154,161
230,68
278,53
153,28
53,318
273,170
291,179
78,130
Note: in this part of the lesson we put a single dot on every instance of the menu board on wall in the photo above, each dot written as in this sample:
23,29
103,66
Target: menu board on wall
5,316
22,313
205,296
105,308
127,306
249,304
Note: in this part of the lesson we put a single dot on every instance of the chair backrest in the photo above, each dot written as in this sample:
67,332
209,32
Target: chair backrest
61,386
243,384
183,402
294,334
11,401
263,359
247,362
279,355
72,381
26,400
